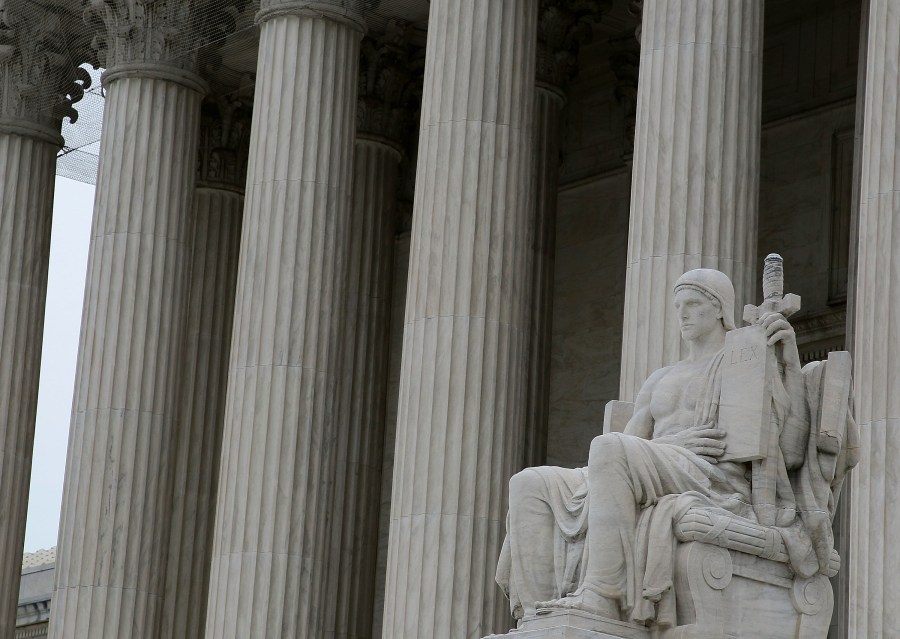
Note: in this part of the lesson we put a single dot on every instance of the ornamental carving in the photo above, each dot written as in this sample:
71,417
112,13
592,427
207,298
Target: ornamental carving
564,26
387,94
167,32
224,146
39,75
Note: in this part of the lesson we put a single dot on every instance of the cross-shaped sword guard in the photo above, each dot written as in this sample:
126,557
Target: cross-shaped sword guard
774,299
787,306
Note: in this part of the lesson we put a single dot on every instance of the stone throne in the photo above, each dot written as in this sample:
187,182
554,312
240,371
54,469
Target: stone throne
735,577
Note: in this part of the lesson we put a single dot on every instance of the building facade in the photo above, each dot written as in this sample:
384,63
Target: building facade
354,264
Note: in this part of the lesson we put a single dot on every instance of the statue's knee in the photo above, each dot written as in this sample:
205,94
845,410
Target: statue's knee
526,483
606,448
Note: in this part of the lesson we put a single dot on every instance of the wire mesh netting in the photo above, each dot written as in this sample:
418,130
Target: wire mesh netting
220,37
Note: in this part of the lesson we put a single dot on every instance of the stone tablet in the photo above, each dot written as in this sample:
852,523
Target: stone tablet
745,405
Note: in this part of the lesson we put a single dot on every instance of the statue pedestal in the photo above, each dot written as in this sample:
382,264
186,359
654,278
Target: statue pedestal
574,624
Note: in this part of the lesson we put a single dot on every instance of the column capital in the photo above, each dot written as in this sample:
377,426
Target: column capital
157,38
224,145
564,26
347,12
387,91
39,82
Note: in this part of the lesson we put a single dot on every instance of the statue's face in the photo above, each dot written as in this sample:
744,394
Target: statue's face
697,314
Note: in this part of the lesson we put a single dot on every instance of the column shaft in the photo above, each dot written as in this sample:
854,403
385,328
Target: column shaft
363,391
875,488
460,434
197,440
548,105
27,167
275,504
114,524
695,183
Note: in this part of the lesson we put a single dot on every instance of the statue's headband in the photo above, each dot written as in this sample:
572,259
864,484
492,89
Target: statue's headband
714,285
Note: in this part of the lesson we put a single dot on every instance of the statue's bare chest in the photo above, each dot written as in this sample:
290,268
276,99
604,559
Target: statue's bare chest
675,396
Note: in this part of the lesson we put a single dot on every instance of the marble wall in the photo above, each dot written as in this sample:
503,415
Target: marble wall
591,248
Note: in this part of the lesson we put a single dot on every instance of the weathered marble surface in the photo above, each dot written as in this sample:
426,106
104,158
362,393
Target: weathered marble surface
197,442
714,538
459,432
26,192
38,87
115,516
274,517
363,389
874,578
574,624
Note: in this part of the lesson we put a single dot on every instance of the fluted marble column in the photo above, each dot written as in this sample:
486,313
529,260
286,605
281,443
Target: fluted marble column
27,173
460,433
381,122
197,441
363,388
274,519
115,517
875,488
29,141
695,183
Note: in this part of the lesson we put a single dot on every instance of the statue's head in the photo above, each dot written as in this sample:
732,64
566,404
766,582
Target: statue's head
711,285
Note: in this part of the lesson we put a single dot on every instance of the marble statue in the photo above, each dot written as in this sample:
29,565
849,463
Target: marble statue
603,540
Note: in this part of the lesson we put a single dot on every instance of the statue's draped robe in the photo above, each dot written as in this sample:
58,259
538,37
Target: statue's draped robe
663,481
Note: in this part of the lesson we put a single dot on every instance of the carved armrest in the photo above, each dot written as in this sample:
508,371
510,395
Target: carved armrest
735,533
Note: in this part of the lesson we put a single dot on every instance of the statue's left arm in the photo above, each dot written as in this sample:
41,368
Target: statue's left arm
795,432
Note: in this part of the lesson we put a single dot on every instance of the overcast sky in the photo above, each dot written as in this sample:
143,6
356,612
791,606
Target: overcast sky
68,264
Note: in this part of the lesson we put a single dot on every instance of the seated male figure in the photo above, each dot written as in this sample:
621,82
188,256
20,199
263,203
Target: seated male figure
600,539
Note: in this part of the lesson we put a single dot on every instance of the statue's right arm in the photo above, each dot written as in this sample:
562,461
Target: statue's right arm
641,422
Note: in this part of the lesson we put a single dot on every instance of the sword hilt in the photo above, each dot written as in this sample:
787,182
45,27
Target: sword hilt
773,277
774,298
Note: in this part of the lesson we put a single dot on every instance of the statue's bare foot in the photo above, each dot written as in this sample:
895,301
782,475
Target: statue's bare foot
582,599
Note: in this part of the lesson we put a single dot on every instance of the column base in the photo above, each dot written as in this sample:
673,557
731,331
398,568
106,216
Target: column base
574,624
